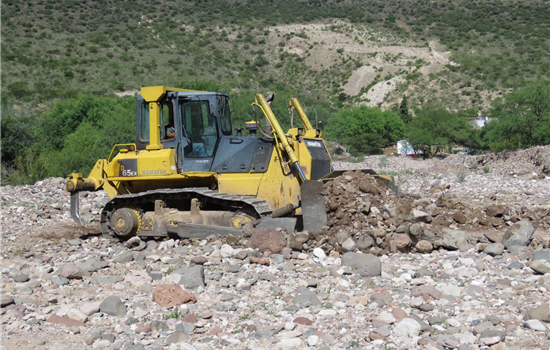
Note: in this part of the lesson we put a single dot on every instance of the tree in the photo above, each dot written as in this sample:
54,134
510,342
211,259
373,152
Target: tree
365,129
404,110
522,119
435,128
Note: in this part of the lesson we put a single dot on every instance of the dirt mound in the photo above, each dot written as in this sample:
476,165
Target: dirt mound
535,160
364,214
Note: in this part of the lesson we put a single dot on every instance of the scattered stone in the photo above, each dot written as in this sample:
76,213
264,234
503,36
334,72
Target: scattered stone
70,271
424,247
21,278
366,265
540,266
407,327
519,234
113,306
65,321
535,325
6,300
170,295
265,240
193,277
541,313
177,337
494,249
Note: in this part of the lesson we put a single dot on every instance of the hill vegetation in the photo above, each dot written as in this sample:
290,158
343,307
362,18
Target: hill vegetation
63,61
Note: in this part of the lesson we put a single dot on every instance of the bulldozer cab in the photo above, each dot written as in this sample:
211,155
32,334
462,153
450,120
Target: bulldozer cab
191,122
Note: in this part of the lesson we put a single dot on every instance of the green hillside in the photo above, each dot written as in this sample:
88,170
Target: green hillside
372,71
59,49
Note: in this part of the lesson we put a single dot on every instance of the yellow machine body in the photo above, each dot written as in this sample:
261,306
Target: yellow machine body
205,180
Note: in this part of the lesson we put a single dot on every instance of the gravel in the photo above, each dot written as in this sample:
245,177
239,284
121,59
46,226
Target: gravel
66,287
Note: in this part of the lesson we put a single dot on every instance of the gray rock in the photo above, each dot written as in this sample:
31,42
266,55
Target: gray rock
109,279
540,266
306,299
312,282
74,242
70,271
366,265
519,234
21,278
416,230
452,239
542,255
364,242
349,245
493,333
494,249
428,236
156,276
124,257
516,265
60,281
92,265
113,306
524,253
342,236
6,300
177,337
193,277
185,327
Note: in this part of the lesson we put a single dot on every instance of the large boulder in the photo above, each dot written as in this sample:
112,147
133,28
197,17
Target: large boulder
452,239
366,265
519,234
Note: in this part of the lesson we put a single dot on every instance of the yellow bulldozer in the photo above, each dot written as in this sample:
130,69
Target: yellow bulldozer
188,175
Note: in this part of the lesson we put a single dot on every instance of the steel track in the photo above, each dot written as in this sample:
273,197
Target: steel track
182,194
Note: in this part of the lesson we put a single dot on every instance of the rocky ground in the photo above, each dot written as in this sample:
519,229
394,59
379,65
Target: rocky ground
459,258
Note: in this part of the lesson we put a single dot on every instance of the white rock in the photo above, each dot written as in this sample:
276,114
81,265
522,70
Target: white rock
535,325
288,343
226,251
290,326
101,344
453,322
407,327
64,310
312,340
90,308
387,317
490,340
349,245
78,315
320,253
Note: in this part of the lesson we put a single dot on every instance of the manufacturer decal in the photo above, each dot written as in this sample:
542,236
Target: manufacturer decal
317,144
127,168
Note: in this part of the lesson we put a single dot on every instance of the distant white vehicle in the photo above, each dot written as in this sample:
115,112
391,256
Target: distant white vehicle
405,148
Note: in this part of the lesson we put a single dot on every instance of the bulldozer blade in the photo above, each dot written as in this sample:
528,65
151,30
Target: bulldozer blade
75,208
271,224
314,212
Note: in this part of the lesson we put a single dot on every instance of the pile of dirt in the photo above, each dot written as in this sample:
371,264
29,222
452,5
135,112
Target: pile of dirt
364,214
535,161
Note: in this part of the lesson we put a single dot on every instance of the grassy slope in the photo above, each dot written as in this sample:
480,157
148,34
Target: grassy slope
52,50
